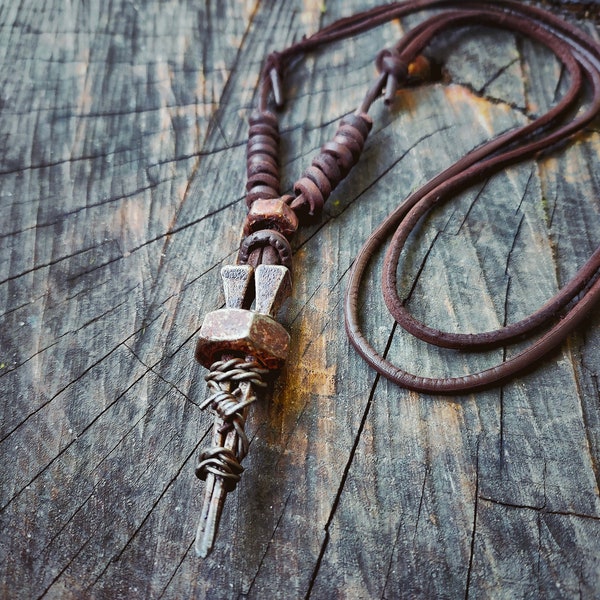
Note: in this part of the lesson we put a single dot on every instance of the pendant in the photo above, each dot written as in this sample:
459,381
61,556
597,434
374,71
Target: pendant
240,346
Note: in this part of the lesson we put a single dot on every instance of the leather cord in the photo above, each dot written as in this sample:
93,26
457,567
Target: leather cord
580,56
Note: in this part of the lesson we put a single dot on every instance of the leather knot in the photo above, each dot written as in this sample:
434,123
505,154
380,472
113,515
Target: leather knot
389,61
274,61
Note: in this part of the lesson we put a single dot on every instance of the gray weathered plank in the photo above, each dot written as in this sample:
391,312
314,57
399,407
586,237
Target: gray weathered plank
121,184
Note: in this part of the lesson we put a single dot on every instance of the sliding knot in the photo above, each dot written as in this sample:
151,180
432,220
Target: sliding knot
389,61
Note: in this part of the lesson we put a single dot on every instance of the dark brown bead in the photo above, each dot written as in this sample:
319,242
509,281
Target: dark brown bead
331,165
258,117
266,146
361,121
352,133
319,179
261,138
263,129
261,191
342,154
308,189
328,164
350,143
262,178
261,165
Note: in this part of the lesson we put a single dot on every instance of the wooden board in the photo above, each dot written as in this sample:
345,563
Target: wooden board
121,186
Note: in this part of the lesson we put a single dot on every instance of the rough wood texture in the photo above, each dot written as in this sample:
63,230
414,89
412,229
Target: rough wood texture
123,130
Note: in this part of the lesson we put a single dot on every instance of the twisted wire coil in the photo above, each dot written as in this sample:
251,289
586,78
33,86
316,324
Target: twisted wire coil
227,402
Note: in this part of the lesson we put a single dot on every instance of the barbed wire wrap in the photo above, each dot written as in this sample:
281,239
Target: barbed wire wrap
227,401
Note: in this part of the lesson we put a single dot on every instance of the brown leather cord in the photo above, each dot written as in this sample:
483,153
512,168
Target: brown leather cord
580,56
241,346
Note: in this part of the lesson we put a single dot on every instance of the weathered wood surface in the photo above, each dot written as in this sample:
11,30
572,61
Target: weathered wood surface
121,183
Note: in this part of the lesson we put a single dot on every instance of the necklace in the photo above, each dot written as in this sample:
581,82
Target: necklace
242,344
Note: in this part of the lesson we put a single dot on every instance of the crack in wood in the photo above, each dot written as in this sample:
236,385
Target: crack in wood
267,547
67,565
345,474
127,105
540,509
495,76
152,368
119,554
67,446
88,206
474,526
59,337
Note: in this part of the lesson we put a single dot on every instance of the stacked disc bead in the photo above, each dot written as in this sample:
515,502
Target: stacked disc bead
332,164
262,161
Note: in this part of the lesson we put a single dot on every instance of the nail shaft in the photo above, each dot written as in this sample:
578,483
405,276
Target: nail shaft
215,491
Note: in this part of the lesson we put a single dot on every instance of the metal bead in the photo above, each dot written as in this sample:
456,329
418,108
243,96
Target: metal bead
242,332
263,238
271,214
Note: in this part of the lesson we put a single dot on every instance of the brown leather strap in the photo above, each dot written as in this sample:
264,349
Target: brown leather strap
580,56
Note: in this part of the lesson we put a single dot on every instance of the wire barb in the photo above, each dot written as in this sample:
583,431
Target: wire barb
232,384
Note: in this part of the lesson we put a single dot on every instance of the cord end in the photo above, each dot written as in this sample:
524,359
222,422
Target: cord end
277,87
391,87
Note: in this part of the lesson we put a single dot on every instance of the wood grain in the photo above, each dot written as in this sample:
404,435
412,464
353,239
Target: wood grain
121,186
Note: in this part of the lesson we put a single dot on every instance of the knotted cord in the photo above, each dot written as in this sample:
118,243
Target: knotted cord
580,56
241,344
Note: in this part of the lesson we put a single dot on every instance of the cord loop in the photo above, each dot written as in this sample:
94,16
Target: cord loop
580,57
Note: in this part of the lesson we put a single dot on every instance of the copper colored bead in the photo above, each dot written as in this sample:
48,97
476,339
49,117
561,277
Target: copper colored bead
420,68
237,331
271,214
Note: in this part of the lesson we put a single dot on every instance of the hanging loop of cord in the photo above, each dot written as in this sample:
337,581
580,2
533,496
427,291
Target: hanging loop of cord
580,57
